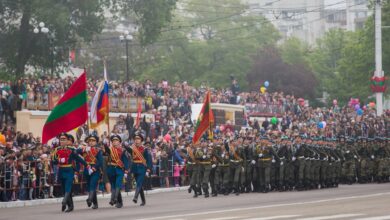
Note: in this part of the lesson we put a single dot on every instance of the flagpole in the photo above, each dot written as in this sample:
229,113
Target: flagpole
108,112
88,108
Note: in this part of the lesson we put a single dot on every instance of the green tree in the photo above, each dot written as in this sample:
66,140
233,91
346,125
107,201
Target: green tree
68,22
294,51
209,41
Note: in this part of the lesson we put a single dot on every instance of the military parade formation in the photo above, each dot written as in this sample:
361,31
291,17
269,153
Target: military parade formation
70,159
282,163
229,165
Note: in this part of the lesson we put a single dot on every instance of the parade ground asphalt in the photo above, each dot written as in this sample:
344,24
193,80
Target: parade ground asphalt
362,202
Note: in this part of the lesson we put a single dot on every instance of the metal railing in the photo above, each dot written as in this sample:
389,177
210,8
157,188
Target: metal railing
26,180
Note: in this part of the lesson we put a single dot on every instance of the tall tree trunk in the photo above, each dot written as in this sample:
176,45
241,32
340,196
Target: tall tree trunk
24,52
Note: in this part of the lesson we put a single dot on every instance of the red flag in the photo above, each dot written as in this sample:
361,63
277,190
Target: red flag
139,110
72,56
205,119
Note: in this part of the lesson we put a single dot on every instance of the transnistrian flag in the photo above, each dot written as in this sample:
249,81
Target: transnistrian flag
205,119
70,112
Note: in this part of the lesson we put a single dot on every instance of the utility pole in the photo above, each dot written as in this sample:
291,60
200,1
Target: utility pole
378,54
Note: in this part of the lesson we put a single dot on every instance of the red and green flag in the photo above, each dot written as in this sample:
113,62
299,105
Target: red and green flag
205,119
70,112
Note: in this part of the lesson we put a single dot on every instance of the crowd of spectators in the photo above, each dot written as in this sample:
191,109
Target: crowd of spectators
27,173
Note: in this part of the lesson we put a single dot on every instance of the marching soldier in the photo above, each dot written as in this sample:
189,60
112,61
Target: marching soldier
222,174
266,156
381,154
283,153
117,169
203,156
64,156
94,158
349,167
141,166
214,173
192,169
248,151
235,165
300,162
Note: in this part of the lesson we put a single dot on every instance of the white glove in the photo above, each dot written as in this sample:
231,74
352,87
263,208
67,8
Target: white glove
147,174
355,156
260,155
125,175
213,166
294,158
88,149
242,169
273,161
253,162
223,155
281,163
372,157
90,171
204,157
62,160
347,151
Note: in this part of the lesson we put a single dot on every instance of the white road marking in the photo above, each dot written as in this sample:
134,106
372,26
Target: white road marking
274,217
225,218
385,217
267,206
331,217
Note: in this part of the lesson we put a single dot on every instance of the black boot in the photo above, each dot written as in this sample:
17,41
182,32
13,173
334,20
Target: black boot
70,204
199,191
206,192
190,189
118,196
214,192
90,198
65,201
135,199
237,190
113,198
195,193
142,194
94,200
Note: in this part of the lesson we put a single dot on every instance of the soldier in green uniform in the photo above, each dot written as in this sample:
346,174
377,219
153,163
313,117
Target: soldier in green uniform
248,168
204,159
349,167
264,161
300,162
235,165
214,180
192,169
381,154
222,174
364,160
284,153
290,165
316,164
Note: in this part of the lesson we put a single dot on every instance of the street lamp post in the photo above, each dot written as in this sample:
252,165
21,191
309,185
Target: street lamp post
42,29
127,37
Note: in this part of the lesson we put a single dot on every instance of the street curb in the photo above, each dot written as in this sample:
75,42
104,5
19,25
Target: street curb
82,198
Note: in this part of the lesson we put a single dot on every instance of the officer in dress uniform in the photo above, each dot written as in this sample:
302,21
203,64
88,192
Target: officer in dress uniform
117,169
64,156
142,165
94,158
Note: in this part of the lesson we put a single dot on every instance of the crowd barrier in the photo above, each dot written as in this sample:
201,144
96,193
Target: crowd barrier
24,180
